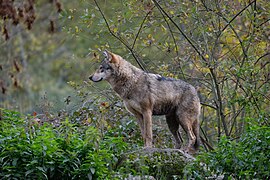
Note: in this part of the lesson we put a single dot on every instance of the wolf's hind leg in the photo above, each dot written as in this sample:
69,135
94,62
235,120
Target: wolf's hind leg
187,124
173,125
196,130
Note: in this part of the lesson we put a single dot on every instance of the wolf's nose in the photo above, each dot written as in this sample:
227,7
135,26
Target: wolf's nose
91,78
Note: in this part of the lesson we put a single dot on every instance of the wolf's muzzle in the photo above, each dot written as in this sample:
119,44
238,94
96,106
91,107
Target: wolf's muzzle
95,80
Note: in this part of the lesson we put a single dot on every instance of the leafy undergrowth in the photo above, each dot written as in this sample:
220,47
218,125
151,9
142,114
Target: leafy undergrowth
33,151
82,145
78,146
246,159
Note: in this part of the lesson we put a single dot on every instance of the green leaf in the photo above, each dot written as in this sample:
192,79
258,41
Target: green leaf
29,172
92,170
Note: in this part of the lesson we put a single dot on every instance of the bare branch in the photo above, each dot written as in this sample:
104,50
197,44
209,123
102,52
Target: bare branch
266,54
219,101
120,39
204,141
235,117
137,35
180,30
208,105
235,16
174,41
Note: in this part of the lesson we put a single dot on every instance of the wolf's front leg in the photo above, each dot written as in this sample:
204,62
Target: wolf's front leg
140,123
138,116
148,136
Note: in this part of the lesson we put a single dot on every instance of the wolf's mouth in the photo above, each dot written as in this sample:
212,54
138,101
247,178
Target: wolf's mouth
98,80
94,79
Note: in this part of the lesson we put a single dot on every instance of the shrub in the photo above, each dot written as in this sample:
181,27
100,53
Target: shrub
246,159
32,151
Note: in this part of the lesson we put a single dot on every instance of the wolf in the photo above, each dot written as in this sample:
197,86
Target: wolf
146,94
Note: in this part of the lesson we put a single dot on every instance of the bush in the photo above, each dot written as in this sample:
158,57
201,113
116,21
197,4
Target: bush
33,151
71,150
246,159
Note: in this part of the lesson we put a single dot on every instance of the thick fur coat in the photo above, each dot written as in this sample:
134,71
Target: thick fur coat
146,94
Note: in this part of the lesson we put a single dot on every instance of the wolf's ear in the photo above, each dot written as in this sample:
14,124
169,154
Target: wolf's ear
107,54
112,58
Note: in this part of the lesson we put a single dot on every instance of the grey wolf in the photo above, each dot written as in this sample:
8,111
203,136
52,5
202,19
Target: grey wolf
146,94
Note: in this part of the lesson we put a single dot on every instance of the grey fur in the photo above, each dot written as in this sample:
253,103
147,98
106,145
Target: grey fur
146,94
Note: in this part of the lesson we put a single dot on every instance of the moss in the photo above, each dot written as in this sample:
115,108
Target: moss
159,163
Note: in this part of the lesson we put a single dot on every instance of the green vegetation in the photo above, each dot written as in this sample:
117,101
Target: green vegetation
79,130
70,150
247,158
75,150
35,151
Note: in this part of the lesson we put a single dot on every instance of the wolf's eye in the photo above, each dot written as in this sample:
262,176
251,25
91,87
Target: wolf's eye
101,69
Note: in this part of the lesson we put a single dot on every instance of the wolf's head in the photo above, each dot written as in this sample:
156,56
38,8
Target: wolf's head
106,67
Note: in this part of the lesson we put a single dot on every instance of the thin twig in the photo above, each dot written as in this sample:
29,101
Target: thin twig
137,35
206,143
266,54
180,30
208,105
234,118
120,39
235,16
174,40
219,101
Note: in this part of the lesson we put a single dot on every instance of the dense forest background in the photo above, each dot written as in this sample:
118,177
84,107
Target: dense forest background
49,49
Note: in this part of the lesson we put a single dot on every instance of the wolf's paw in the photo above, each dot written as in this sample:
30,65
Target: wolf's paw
147,147
190,150
177,146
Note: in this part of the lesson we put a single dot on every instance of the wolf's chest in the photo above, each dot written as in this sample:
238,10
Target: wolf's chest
133,106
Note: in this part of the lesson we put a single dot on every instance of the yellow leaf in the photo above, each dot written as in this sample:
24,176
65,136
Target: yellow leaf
76,29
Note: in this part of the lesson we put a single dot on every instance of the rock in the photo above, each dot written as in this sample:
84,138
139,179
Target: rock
154,163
